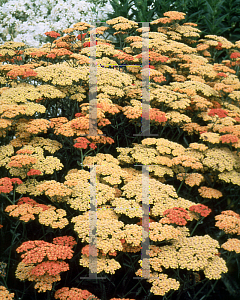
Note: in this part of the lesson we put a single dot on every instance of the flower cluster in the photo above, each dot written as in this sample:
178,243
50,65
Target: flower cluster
34,18
33,172
201,209
54,189
162,284
232,245
175,215
42,263
25,211
5,185
210,193
5,294
74,293
229,222
53,217
83,143
52,34
218,111
191,179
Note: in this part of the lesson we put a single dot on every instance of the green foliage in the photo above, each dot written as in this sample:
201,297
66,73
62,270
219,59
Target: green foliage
212,16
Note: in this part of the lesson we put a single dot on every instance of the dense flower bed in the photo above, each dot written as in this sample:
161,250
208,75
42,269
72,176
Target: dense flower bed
53,169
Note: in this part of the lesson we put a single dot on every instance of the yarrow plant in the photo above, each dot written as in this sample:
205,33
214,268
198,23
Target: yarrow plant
27,20
61,180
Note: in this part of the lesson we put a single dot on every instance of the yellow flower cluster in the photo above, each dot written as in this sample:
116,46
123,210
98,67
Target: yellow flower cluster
212,38
53,217
166,257
196,146
130,208
5,153
109,230
195,253
211,137
176,118
133,234
160,232
232,176
5,294
188,31
62,74
197,86
221,159
28,186
215,267
162,284
164,146
50,145
108,265
170,98
143,155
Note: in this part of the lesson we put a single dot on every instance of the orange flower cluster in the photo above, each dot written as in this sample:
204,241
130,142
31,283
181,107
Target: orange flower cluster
25,211
33,172
38,126
58,52
206,192
157,116
42,262
74,293
52,34
6,184
232,245
27,200
83,143
191,179
203,210
235,55
21,71
175,215
68,241
228,221
18,161
50,267
228,138
218,111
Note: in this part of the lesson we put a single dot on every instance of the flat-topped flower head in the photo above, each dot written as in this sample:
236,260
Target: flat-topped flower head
203,210
176,215
229,222
232,245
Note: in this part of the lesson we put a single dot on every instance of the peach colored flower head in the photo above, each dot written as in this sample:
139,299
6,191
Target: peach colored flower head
206,192
228,221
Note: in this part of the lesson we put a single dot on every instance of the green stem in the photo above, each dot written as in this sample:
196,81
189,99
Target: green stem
8,199
198,222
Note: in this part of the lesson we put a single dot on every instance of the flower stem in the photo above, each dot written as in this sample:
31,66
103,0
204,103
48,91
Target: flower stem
198,222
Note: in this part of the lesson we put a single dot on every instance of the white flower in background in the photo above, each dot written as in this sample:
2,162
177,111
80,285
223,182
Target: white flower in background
27,20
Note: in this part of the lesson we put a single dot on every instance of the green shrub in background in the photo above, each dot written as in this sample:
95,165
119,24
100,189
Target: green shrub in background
212,16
